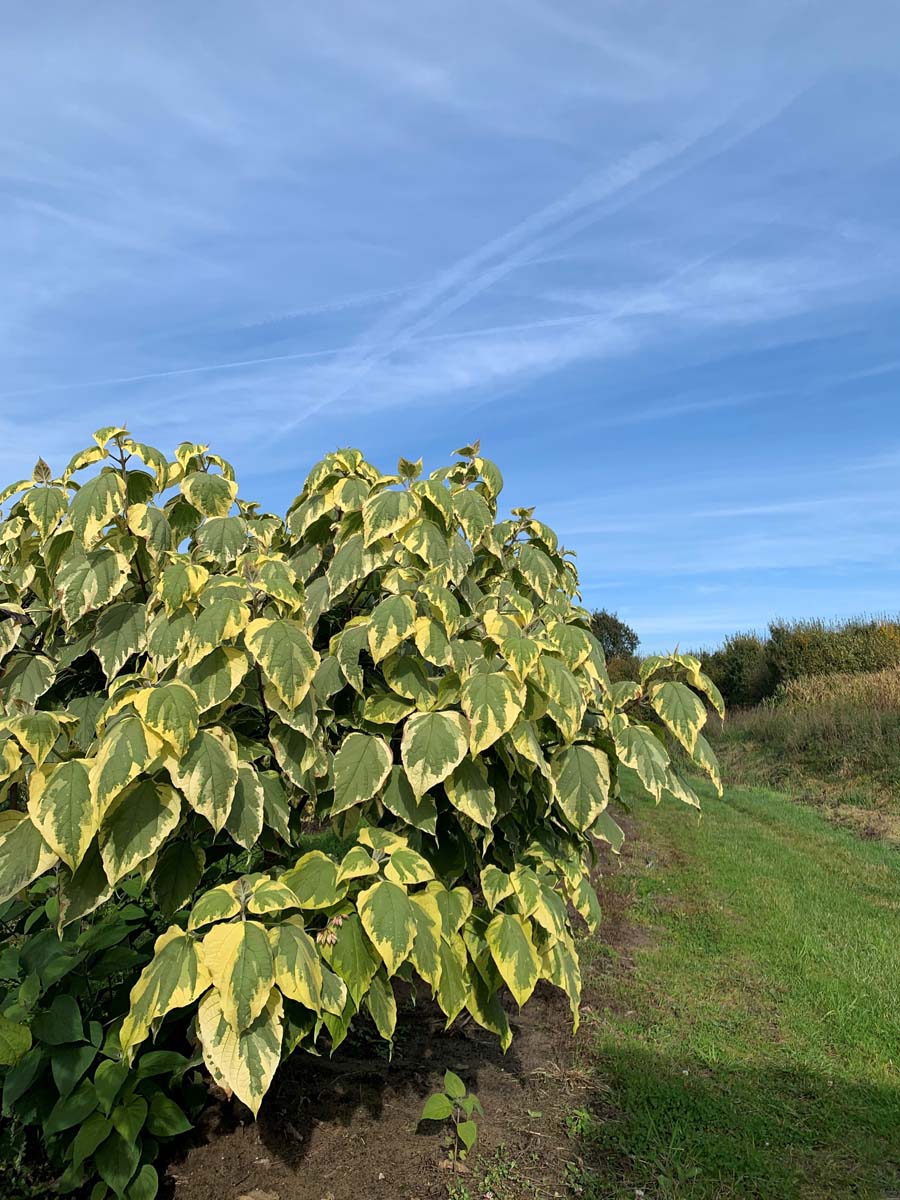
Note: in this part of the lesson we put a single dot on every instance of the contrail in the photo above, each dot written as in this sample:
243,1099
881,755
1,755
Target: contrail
533,235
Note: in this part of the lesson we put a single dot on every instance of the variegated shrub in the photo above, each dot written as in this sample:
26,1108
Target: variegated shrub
192,690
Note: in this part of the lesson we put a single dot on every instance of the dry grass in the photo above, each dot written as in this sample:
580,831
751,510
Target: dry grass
879,690
830,739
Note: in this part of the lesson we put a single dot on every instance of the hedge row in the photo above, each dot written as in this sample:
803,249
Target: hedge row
748,668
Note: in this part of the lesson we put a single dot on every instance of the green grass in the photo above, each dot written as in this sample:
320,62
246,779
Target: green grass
754,1048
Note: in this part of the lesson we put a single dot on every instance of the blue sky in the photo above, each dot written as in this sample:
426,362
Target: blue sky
647,251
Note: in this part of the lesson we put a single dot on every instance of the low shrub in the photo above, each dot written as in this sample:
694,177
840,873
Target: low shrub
748,668
833,737
742,669
188,682
798,649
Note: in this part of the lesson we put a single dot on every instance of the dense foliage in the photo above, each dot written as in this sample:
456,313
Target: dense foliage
617,640
748,668
189,685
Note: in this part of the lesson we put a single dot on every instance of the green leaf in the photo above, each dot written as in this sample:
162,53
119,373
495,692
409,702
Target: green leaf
470,793
467,1132
116,1160
313,880
433,745
582,783
145,1184
352,957
68,1065
454,1086
399,798
80,893
361,766
93,1132
15,1041
276,809
387,918
382,1005
119,635
437,1108
238,957
165,1118
19,1078
109,1079
71,1110
178,872
61,1023
128,1118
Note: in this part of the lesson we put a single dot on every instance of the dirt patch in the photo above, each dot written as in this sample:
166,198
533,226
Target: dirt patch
874,824
346,1129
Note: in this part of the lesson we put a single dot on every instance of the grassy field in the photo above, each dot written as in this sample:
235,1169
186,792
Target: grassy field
833,740
751,1047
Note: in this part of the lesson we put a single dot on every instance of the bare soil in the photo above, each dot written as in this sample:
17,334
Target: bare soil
347,1128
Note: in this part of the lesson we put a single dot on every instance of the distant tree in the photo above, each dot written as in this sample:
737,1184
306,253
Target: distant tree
617,639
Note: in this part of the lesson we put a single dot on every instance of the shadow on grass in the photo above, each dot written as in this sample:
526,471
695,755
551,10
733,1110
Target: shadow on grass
686,1130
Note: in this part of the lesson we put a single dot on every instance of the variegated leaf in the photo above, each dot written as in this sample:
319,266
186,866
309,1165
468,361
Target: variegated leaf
433,745
244,1063
285,655
238,957
174,978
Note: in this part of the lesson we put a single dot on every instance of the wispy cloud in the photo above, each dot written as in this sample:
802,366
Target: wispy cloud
650,253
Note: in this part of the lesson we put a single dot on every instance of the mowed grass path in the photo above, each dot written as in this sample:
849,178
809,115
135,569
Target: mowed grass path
753,1049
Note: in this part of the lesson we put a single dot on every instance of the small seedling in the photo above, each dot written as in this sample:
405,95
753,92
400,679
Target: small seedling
460,1106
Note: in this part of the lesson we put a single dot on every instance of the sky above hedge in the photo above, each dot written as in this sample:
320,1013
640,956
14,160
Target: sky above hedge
647,252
